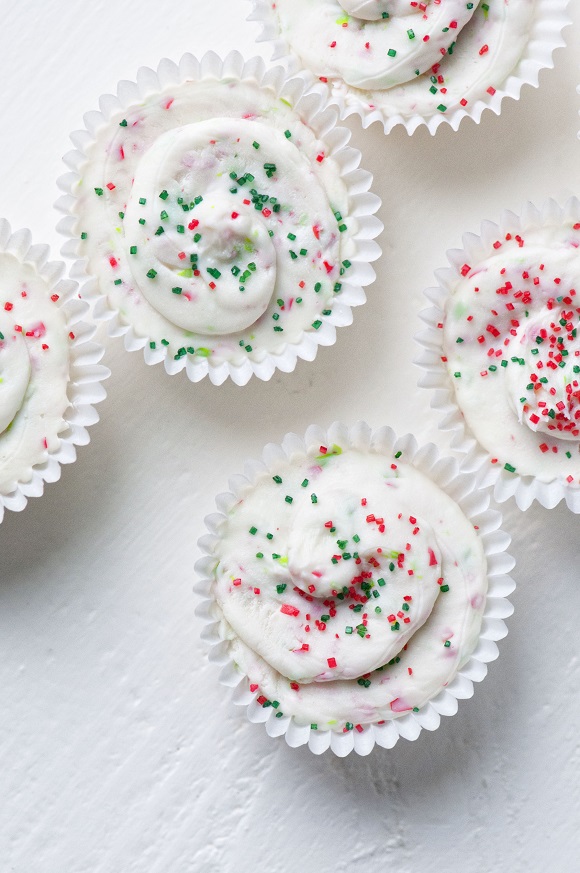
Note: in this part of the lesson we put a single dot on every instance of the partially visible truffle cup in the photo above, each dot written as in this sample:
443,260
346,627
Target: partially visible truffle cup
353,588
50,375
218,219
416,64
501,353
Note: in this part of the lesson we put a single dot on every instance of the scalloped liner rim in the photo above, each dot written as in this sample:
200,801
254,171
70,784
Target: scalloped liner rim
449,475
556,10
525,489
81,393
365,205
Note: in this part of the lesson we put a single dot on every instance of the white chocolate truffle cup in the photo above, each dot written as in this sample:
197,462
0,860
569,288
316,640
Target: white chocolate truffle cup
547,476
26,469
299,98
472,501
483,85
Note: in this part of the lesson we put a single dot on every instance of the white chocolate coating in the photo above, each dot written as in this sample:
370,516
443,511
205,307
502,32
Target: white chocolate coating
370,10
473,57
378,54
250,245
14,370
511,333
34,371
352,590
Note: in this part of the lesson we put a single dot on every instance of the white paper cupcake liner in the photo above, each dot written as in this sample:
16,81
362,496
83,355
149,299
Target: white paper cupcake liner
525,489
473,500
551,17
310,100
86,373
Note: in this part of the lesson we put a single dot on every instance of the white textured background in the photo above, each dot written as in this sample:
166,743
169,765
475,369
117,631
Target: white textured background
119,753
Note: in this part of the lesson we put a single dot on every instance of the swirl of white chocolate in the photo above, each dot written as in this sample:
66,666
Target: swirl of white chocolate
216,222
382,45
198,222
338,570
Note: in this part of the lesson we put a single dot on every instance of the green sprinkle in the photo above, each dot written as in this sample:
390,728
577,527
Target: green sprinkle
133,250
84,235
197,237
164,342
151,273
444,589
281,588
287,134
316,324
213,272
392,53
256,144
289,499
159,231
381,583
259,554
277,479
164,195
118,282
442,108
177,290
447,643
509,468
348,629
123,123
142,201
314,498
253,531
99,192
152,345
304,483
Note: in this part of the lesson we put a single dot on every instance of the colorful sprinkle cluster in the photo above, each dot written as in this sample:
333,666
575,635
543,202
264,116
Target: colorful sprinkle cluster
34,371
427,58
328,589
233,230
513,322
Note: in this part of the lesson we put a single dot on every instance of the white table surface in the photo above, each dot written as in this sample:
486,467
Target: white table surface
119,751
